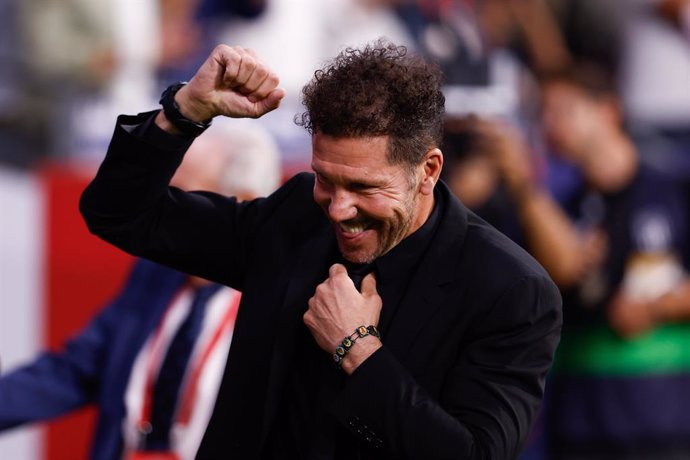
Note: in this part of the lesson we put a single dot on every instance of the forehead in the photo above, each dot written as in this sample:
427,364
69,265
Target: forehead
363,155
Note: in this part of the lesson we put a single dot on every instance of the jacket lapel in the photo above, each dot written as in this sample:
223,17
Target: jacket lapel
426,293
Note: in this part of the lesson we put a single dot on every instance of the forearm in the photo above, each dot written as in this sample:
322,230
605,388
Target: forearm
130,205
57,383
551,237
48,388
133,177
544,39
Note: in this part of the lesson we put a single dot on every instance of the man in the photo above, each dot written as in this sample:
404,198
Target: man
116,361
443,352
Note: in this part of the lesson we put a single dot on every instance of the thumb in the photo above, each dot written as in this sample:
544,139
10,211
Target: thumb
272,101
369,285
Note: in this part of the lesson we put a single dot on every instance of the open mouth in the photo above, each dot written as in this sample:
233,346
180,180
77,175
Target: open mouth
354,227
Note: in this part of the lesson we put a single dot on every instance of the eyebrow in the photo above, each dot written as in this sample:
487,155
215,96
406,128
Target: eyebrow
349,182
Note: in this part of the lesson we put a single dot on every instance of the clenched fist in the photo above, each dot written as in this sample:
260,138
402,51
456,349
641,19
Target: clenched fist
336,309
232,82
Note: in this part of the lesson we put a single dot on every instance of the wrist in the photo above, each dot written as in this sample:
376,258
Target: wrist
365,348
183,118
190,109
356,348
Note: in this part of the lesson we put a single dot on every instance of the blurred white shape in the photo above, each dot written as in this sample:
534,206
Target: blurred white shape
21,248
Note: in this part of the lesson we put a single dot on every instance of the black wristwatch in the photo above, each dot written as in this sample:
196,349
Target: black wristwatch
173,114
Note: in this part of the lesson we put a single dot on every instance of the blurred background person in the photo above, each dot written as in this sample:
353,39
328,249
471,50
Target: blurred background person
189,30
12,141
78,57
646,45
655,66
470,169
654,79
612,234
615,249
490,51
77,63
152,359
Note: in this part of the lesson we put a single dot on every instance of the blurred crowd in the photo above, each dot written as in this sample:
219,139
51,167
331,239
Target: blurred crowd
568,128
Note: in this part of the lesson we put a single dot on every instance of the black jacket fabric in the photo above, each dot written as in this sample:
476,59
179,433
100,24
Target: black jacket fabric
461,373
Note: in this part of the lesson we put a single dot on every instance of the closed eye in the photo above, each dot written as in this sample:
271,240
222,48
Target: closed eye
321,179
360,187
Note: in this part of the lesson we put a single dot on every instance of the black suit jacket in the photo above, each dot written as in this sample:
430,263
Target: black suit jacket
461,373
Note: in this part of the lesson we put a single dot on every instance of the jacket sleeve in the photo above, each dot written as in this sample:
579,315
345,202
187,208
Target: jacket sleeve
488,397
130,204
58,382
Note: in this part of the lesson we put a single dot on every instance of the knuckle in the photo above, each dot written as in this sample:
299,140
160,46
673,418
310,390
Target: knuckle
320,290
229,53
261,72
222,48
248,61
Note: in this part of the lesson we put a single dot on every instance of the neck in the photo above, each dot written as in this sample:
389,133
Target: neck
426,206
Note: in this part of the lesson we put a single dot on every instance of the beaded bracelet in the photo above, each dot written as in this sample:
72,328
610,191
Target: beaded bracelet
342,349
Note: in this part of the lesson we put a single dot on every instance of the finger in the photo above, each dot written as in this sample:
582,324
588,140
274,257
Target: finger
256,79
308,319
336,269
369,285
245,71
261,89
272,101
230,58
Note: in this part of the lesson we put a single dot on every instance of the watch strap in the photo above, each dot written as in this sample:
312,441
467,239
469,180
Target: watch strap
173,114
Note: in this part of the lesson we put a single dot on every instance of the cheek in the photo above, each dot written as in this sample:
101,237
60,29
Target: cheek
396,217
377,207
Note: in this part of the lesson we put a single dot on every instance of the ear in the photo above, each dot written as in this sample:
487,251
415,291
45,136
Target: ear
431,167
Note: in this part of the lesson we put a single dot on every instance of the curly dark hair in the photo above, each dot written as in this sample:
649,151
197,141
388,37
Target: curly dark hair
379,90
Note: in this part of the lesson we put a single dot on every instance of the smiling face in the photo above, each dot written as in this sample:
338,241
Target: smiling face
372,204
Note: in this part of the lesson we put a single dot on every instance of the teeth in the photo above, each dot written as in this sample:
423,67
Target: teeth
351,228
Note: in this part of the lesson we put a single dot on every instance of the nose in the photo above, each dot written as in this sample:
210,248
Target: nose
342,206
